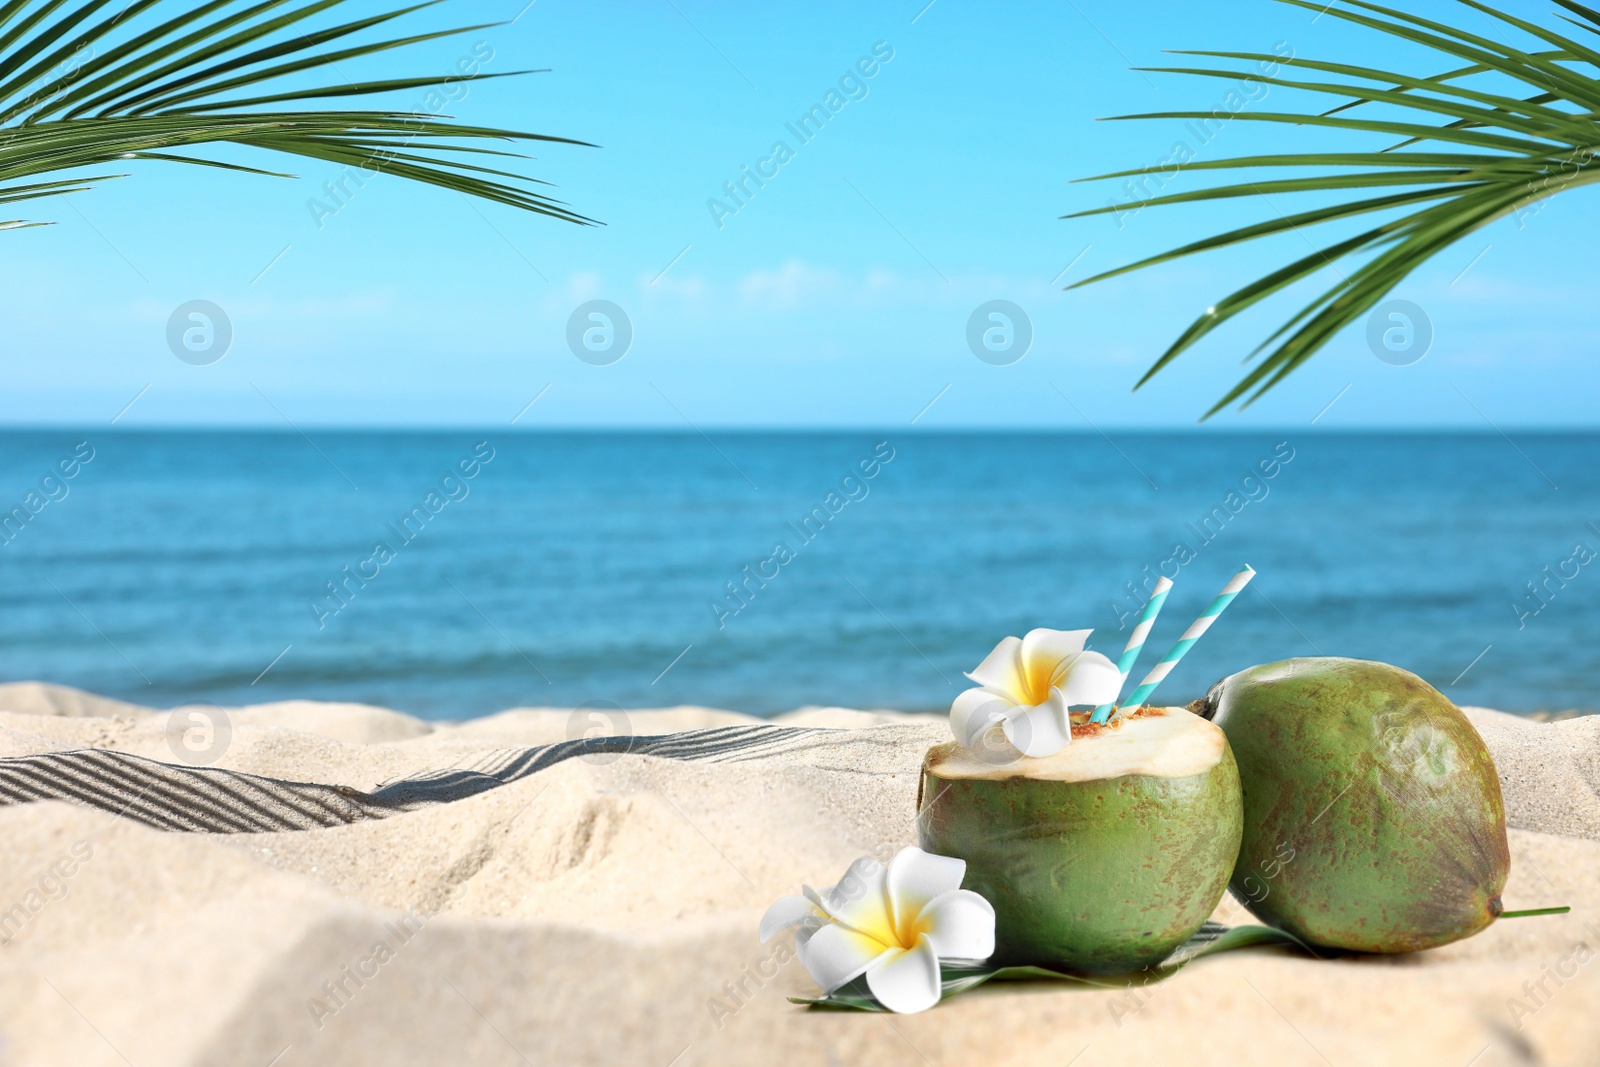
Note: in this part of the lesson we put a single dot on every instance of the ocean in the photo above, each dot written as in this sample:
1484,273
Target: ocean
452,574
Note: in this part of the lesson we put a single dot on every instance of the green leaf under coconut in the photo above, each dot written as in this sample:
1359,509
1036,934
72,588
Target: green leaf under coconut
958,976
1528,913
1485,155
92,82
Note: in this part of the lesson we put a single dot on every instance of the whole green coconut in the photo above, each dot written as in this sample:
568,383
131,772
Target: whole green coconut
1372,812
1102,858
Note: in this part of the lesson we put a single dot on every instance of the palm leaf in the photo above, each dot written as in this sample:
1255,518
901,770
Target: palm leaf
86,83
959,976
1461,155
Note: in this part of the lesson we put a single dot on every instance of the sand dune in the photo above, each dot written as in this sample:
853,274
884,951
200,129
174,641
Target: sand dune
602,909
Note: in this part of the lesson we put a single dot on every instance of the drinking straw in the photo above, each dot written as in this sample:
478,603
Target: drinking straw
1190,636
1141,630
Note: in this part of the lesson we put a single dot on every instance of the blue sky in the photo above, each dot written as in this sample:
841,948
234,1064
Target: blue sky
837,295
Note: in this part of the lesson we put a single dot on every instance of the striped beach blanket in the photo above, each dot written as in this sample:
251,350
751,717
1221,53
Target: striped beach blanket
181,798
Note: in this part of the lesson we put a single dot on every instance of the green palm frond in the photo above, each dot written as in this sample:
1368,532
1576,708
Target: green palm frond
90,83
1455,158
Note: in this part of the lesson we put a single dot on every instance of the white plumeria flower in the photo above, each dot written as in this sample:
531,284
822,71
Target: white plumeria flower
893,924
1027,686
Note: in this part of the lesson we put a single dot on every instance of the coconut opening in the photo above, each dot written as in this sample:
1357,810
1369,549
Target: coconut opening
1158,742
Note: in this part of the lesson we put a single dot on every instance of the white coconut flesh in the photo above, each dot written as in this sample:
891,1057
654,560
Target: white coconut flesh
1159,743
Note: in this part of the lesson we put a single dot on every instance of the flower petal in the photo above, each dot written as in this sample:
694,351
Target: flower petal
861,899
1043,654
1090,679
909,980
835,954
785,913
960,923
974,711
1042,730
915,878
1002,670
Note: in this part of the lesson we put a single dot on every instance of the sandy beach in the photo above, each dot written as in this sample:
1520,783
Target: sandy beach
451,892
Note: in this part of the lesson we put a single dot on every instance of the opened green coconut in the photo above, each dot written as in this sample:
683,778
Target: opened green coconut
1101,858
1373,819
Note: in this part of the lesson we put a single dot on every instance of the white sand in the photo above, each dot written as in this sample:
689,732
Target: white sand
602,912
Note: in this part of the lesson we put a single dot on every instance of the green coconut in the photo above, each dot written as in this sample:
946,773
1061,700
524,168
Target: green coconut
1373,819
1102,858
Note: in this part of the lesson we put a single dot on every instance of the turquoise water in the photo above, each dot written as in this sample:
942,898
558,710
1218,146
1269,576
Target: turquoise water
570,568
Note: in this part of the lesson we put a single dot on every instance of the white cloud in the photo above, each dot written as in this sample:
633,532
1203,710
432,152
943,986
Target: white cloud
790,286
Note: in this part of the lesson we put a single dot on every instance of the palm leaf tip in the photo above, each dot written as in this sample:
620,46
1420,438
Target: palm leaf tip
83,83
1464,151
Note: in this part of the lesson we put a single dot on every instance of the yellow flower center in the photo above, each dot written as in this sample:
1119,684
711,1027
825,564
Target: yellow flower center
1039,677
890,934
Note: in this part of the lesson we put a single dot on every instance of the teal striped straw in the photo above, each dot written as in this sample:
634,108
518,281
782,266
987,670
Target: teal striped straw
1157,673
1141,630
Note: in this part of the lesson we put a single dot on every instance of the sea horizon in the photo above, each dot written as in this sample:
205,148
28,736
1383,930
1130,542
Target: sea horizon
1200,430
641,568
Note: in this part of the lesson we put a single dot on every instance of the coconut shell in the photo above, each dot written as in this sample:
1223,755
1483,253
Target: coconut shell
1100,875
1373,819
